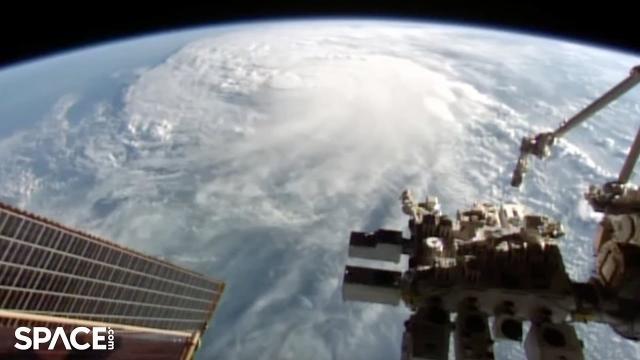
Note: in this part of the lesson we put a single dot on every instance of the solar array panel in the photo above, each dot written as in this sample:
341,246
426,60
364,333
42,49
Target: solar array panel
49,269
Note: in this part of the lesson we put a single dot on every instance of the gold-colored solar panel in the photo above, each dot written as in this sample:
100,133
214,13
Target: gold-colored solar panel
52,271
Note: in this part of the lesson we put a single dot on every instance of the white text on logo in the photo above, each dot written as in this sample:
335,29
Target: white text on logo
102,338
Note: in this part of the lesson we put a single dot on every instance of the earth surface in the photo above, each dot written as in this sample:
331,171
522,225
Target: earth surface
249,152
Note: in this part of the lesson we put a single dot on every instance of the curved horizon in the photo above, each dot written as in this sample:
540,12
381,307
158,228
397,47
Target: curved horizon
478,26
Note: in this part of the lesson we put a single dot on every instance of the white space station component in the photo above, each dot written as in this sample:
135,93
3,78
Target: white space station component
553,341
490,262
494,267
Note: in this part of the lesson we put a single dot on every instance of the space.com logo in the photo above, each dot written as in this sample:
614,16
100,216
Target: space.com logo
102,338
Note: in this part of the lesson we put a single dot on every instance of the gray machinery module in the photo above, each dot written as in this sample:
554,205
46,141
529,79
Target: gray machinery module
497,266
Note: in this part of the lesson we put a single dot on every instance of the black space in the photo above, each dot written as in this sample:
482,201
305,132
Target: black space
32,29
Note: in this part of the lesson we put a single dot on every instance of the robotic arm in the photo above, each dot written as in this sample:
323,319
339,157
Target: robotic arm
540,144
503,265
